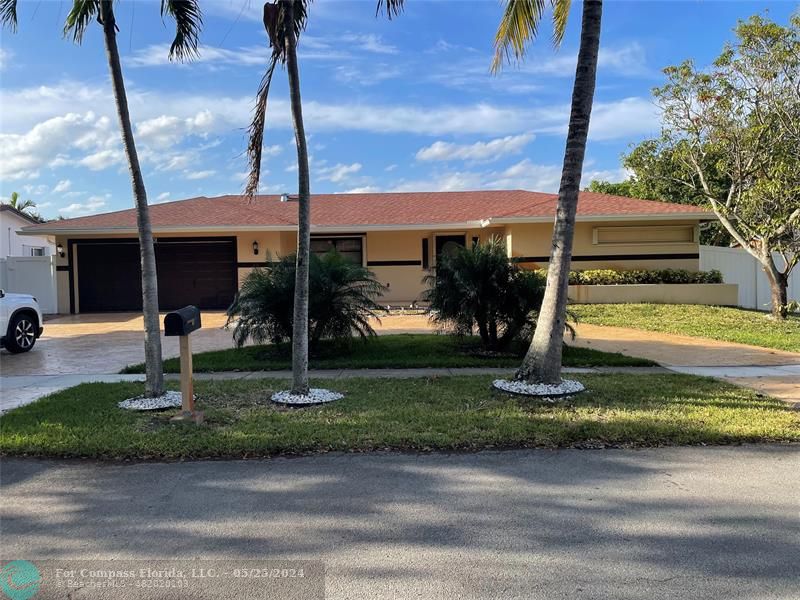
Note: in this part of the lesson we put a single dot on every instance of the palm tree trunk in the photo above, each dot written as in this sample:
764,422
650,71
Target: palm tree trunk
154,382
300,325
542,363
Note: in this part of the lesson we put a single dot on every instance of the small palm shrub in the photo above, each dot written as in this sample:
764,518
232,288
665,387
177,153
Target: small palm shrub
342,299
480,288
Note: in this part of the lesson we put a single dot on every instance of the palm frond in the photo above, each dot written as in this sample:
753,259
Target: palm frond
255,142
392,8
275,26
8,14
78,19
188,23
560,18
519,25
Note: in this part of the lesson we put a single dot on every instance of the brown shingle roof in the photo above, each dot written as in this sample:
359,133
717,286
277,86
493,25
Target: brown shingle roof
378,209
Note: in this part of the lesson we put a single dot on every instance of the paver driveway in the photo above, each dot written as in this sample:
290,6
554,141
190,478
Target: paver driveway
105,343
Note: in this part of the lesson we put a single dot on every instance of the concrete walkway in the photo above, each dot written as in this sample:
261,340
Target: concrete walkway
713,523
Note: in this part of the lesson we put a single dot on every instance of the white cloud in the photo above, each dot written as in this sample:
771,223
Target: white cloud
369,43
478,152
339,172
524,174
273,150
158,55
627,60
103,159
200,174
92,205
390,168
165,131
367,74
62,186
35,189
5,57
22,155
442,182
527,175
367,189
616,119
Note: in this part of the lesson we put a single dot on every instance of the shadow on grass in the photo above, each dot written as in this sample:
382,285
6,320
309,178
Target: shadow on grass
437,413
395,351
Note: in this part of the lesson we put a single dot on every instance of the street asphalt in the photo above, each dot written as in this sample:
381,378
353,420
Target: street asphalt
683,523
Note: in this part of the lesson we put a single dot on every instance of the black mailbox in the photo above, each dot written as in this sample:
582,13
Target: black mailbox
182,321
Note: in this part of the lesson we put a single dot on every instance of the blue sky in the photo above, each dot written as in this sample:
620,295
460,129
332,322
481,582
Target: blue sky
407,104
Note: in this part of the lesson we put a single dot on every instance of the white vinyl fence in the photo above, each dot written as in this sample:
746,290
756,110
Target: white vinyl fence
35,275
737,266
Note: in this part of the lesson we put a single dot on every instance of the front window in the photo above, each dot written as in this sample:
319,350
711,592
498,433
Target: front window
349,247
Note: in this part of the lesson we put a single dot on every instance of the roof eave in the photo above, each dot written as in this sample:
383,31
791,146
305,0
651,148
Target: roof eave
481,224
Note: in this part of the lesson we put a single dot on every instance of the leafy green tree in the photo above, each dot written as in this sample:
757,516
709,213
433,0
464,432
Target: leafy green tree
519,25
342,301
734,132
284,21
480,288
188,19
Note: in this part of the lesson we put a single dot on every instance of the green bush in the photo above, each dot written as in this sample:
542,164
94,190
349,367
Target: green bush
611,277
481,288
342,298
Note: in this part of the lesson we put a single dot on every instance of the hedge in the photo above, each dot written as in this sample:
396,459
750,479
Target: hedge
611,277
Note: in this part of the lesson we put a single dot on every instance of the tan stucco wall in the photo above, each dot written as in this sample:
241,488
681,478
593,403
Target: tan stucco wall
405,281
533,240
717,294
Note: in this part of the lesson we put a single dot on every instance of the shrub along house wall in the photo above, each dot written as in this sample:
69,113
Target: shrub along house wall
668,286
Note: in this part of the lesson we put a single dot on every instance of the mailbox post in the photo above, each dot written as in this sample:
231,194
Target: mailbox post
181,323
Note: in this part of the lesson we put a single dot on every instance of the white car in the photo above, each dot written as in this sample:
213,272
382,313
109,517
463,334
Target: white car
20,321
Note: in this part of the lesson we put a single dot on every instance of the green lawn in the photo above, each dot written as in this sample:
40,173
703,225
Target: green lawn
445,413
714,322
386,351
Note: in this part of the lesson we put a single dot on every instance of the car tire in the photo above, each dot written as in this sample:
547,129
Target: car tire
21,334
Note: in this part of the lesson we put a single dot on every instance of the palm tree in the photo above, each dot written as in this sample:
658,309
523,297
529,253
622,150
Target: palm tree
542,363
21,205
284,20
188,20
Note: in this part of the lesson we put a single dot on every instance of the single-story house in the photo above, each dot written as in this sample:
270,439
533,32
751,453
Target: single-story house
205,246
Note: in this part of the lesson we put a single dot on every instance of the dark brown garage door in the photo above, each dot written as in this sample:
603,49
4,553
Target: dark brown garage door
199,272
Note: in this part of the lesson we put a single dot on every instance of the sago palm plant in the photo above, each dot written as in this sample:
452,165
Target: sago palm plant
342,301
481,289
